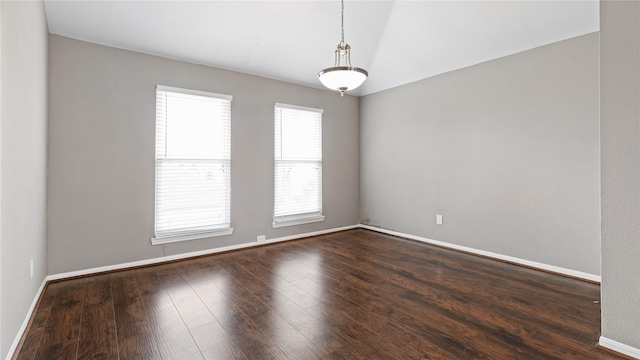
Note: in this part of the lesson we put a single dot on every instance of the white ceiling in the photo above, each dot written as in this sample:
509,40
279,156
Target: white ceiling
397,42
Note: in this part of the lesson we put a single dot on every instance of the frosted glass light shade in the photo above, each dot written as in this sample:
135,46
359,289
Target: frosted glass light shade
342,78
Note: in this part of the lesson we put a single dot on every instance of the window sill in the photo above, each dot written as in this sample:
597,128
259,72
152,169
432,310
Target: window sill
297,220
186,237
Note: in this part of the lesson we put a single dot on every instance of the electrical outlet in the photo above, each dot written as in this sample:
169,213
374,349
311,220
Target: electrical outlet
438,219
31,269
262,238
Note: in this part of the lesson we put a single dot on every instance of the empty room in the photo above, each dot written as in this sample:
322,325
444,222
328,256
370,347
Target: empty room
319,179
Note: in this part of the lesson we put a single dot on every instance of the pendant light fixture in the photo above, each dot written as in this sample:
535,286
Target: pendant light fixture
342,76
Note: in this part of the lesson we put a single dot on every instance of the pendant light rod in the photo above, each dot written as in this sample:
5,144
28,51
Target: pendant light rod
342,22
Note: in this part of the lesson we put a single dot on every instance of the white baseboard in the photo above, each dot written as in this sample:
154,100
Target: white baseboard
610,344
533,264
619,347
25,323
604,342
133,264
101,269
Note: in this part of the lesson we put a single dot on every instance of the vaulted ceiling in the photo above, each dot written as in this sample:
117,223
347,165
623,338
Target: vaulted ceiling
397,42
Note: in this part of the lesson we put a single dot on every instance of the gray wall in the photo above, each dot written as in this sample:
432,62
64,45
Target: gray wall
507,151
101,153
620,159
22,160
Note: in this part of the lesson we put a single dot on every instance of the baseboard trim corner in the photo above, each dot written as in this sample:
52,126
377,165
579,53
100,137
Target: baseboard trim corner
619,347
504,258
25,323
183,256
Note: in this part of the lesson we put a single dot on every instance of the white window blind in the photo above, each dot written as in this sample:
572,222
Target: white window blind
298,165
193,163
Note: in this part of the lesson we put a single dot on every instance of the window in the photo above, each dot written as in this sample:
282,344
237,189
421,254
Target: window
193,163
298,165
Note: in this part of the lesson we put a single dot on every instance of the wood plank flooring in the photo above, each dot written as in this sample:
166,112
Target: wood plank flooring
350,295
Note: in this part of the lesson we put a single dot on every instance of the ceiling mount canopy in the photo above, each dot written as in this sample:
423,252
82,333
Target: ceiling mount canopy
342,76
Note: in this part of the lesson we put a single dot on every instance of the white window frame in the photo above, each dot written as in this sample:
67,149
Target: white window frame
282,220
171,236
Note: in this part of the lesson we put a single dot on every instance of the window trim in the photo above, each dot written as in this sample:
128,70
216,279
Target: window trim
297,219
193,92
168,239
297,107
180,236
300,218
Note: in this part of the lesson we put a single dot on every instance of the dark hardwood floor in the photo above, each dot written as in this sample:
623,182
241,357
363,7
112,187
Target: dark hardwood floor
350,295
